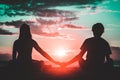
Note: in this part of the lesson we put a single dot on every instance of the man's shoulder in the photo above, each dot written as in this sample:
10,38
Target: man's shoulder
89,39
93,39
104,40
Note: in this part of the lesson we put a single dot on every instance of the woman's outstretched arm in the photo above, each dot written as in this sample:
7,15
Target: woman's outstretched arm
43,53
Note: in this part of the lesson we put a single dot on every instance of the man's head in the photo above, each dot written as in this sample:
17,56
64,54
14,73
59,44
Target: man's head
98,29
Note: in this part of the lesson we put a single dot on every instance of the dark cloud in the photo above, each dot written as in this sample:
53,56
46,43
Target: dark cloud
71,18
71,26
5,32
25,7
13,1
13,23
46,22
49,1
54,13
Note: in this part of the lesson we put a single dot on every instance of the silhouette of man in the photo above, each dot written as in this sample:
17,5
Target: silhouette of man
96,47
22,48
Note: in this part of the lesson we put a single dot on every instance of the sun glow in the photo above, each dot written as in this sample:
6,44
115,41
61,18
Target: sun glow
60,52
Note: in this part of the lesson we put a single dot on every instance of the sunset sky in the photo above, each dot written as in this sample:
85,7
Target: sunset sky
59,26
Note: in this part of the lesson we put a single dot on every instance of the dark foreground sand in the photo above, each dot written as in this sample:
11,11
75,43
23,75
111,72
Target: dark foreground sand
12,72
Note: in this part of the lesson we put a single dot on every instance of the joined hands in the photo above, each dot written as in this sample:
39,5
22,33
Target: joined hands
61,64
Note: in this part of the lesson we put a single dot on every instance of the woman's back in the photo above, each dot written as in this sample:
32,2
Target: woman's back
24,49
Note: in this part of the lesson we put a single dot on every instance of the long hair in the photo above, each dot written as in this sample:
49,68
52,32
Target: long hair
25,32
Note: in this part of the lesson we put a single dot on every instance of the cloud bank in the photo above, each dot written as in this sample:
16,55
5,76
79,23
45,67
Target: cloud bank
5,32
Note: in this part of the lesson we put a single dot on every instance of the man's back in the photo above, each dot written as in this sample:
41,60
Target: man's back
96,49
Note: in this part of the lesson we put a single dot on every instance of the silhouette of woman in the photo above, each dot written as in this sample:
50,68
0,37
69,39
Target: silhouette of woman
22,48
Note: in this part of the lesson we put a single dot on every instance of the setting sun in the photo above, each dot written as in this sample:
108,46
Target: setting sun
60,53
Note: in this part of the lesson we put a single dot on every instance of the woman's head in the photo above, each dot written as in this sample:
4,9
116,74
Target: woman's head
98,29
25,32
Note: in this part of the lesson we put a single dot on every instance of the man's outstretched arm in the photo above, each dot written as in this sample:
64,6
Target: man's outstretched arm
76,58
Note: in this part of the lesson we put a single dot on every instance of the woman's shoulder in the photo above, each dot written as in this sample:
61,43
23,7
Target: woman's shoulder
33,41
16,41
30,41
